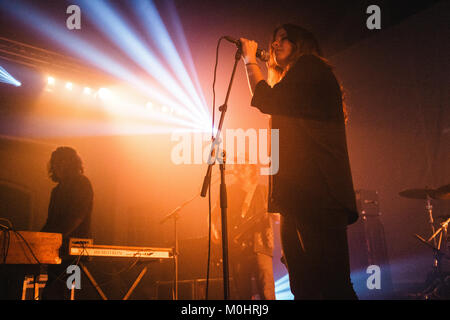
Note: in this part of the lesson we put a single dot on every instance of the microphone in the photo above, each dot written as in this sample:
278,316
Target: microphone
260,53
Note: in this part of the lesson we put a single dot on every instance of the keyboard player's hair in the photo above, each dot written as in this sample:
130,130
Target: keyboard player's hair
65,159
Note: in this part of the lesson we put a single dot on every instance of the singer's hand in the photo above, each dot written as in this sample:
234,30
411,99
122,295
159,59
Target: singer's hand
249,48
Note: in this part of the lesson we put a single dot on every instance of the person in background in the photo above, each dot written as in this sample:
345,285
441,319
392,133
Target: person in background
250,236
69,213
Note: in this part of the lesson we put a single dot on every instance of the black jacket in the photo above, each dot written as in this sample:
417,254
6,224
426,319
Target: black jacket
306,107
70,201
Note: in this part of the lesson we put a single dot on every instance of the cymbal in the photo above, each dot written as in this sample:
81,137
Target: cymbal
443,192
418,193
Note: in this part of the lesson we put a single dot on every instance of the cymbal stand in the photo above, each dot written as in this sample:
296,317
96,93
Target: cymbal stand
438,252
442,232
429,208
437,247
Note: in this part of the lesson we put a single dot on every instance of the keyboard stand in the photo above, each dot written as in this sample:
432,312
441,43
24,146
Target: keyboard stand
92,280
135,283
99,290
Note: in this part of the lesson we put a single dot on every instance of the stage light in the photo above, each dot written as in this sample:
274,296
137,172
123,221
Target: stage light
34,17
51,81
157,31
182,44
125,109
104,93
87,90
47,26
7,78
114,26
69,86
282,289
149,106
165,109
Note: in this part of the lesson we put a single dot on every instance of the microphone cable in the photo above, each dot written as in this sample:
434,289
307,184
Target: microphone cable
209,187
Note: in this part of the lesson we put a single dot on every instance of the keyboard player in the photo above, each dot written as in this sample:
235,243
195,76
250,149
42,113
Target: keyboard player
69,213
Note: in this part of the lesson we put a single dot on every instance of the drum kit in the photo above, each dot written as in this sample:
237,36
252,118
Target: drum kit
438,282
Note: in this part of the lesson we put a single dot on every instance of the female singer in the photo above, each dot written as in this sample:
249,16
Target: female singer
313,189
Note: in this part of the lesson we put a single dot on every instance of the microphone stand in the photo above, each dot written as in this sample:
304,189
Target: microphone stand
174,214
223,190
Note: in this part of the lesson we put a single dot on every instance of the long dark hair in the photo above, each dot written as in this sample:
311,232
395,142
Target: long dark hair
68,160
304,42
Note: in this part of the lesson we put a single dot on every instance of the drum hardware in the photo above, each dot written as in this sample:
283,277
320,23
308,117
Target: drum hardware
424,194
439,281
439,286
441,248
443,193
